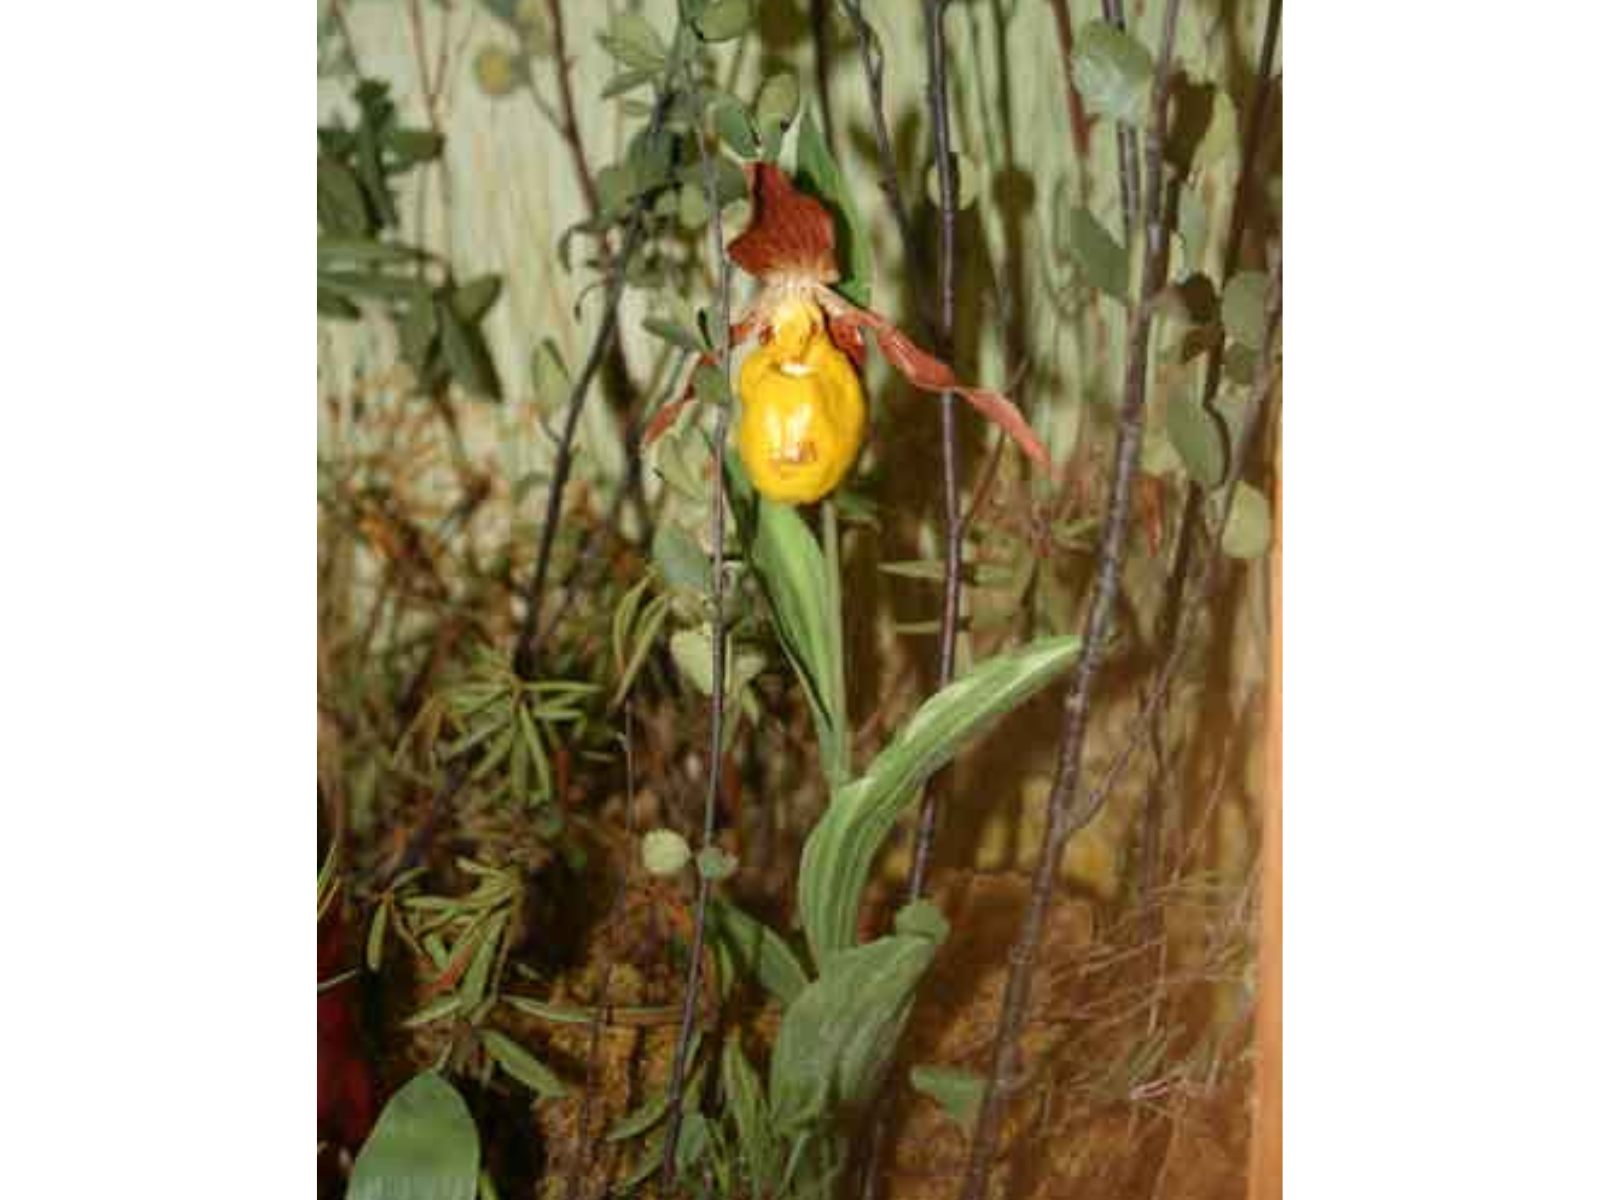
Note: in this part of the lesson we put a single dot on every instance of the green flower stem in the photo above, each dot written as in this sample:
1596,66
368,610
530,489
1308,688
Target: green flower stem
837,771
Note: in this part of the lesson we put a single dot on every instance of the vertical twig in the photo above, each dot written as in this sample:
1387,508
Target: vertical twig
568,125
702,897
1075,711
1075,111
838,770
619,370
950,613
1194,496
888,177
942,326
583,1153
1150,710
524,658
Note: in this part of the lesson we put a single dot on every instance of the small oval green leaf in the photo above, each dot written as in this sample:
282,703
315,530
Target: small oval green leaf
1248,532
725,19
1113,73
1198,437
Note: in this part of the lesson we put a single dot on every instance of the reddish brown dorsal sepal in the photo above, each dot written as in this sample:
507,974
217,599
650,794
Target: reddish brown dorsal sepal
667,415
789,233
928,373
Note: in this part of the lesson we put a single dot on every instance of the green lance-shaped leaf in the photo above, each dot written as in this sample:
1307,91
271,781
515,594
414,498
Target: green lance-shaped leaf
466,353
341,204
552,386
790,567
817,173
424,1144
756,950
364,252
752,1120
473,299
839,1035
522,1066
839,853
634,43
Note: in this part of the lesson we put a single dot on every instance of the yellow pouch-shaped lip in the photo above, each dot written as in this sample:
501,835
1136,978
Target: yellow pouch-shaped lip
804,416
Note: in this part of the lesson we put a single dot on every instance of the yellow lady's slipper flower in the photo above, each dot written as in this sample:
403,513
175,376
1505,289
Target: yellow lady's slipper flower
804,417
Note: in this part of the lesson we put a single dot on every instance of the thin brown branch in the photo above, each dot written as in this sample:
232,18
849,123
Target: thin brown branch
1061,812
1075,110
618,370
950,612
933,13
583,1146
568,124
1127,144
888,177
1147,720
524,658
719,443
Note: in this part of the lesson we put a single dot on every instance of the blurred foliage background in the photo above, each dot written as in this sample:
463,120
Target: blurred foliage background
431,499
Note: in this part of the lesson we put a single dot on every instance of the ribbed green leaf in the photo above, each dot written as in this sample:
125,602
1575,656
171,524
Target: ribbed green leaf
839,853
747,1100
790,567
839,1035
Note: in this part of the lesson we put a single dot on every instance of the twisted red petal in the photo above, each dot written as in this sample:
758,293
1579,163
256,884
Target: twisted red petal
849,338
928,373
791,232
667,415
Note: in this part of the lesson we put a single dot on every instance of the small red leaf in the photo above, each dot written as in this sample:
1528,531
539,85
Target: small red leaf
791,232
667,415
928,373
